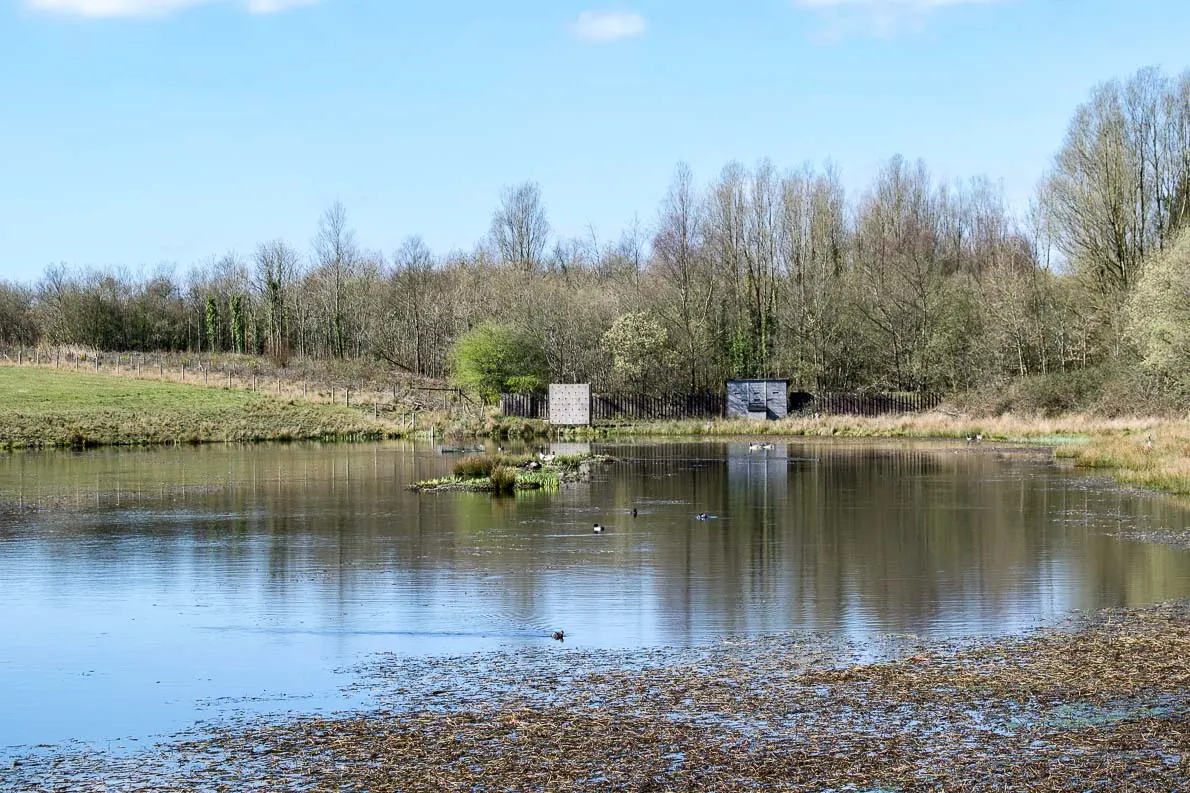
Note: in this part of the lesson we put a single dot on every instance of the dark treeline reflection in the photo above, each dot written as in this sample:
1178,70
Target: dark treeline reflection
854,538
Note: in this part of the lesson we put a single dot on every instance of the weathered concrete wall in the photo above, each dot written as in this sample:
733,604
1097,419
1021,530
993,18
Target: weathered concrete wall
757,399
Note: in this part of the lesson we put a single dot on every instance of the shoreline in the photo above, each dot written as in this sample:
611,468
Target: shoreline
1100,701
43,408
1097,701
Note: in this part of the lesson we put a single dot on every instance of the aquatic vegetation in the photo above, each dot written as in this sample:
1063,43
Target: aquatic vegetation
1101,705
539,480
504,474
475,467
504,480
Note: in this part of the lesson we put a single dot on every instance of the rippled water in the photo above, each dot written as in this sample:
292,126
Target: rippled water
143,590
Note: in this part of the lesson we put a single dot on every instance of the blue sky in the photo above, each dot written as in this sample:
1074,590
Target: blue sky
141,132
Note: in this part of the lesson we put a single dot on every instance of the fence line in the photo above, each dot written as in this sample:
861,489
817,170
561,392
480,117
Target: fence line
649,407
857,404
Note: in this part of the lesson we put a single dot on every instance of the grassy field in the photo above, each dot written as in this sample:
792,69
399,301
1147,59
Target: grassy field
43,407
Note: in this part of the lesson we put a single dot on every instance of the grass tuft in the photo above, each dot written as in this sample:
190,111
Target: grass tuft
504,480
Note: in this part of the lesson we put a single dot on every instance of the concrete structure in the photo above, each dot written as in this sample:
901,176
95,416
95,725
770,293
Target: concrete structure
570,404
757,399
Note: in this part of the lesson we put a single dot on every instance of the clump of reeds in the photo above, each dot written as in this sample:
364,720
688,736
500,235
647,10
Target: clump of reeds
481,466
504,480
475,467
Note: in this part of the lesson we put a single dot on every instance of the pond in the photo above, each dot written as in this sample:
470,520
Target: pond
145,590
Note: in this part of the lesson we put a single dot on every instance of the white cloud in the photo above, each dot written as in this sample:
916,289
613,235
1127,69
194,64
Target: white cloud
882,18
608,25
150,8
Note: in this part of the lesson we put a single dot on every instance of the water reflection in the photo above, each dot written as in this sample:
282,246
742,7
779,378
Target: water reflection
138,583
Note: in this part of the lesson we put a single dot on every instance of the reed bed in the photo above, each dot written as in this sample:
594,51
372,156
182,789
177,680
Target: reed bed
1098,705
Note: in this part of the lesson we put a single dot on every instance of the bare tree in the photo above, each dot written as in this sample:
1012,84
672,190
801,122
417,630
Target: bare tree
276,272
411,293
520,230
687,290
337,255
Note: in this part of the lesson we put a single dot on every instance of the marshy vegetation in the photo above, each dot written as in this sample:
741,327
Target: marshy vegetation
1098,705
504,474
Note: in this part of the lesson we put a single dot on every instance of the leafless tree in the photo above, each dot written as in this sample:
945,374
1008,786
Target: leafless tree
336,255
520,230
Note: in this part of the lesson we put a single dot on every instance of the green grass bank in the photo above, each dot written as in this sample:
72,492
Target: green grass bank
47,408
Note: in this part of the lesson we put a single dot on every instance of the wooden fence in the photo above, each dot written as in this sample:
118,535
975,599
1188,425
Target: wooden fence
525,406
856,404
647,407
644,407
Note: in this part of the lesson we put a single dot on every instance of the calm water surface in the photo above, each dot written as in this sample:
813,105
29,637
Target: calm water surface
144,590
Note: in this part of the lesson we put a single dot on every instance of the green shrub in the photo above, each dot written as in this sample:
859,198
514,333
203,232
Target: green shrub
493,358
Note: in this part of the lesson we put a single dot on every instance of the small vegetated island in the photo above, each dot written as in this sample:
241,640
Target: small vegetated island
504,474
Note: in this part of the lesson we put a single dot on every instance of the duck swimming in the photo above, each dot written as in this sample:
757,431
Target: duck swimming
598,528
702,516
559,635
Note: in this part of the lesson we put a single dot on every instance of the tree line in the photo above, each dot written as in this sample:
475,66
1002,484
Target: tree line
913,284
